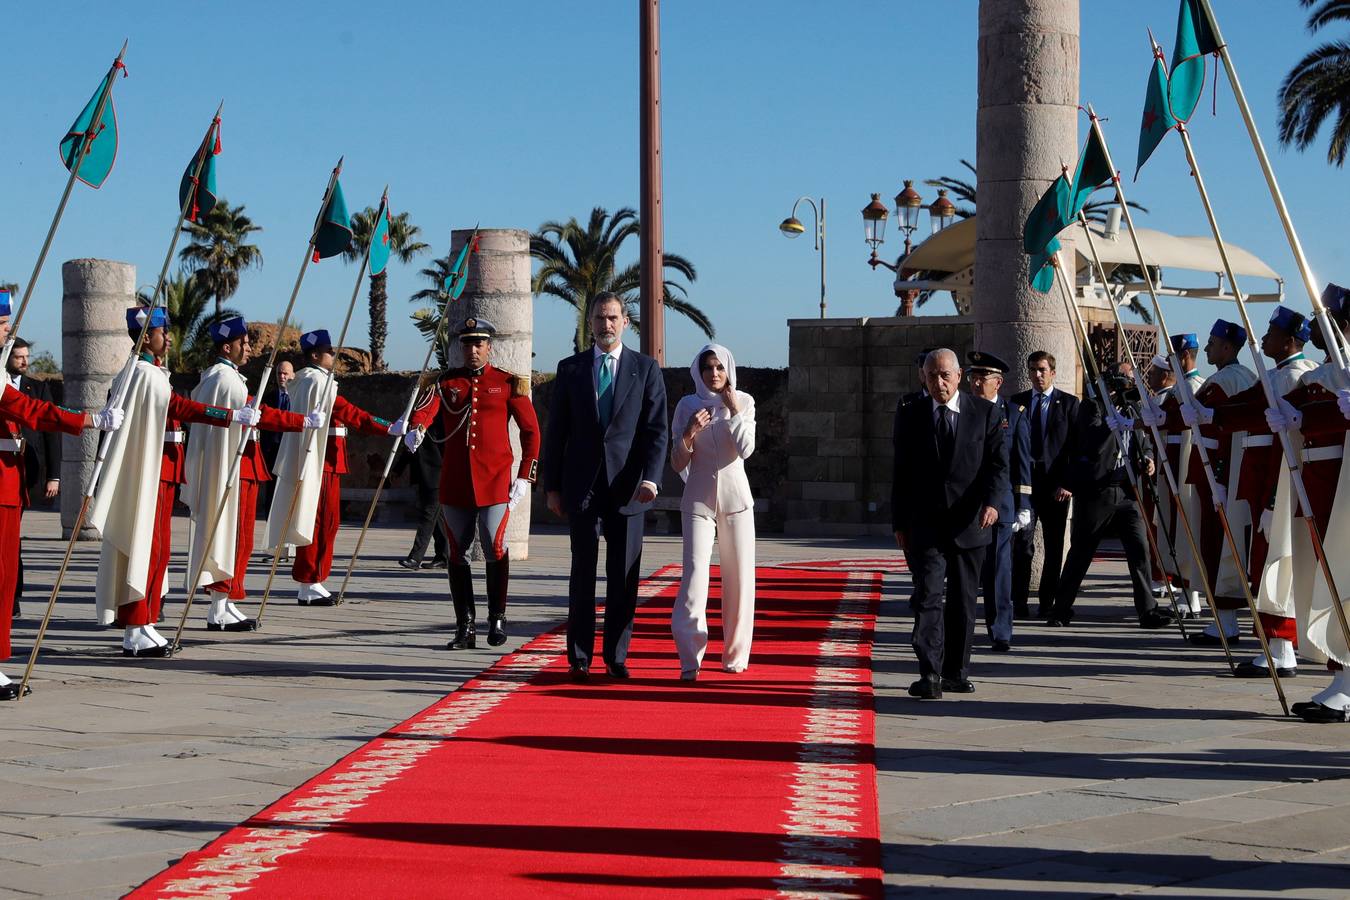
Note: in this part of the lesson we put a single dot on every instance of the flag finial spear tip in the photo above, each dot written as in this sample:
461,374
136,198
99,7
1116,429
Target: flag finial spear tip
220,107
123,52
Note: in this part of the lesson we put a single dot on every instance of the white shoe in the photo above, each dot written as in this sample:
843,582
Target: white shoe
4,679
1229,620
312,593
143,640
1337,694
320,589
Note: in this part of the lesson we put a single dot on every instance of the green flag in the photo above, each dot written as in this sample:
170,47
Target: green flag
1158,118
1092,172
1040,273
100,136
197,191
1047,217
335,227
1196,38
455,281
379,240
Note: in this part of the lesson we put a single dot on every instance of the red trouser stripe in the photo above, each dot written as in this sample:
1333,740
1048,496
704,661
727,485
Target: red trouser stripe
1280,627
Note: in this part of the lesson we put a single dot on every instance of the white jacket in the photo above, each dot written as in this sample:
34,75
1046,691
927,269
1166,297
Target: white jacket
714,473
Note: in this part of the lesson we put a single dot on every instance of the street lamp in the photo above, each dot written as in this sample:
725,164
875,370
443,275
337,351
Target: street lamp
792,227
907,206
874,226
943,211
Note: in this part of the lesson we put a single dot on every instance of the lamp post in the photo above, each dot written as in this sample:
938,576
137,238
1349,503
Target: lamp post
792,227
908,204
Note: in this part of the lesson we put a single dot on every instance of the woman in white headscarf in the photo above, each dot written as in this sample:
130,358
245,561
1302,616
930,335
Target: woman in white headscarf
714,432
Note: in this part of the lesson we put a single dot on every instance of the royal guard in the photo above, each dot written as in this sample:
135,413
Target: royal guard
19,411
1266,493
1231,378
133,506
306,511
475,404
210,456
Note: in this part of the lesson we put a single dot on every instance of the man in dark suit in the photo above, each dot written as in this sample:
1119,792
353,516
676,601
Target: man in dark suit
986,372
1104,502
1050,413
951,469
41,449
424,474
604,452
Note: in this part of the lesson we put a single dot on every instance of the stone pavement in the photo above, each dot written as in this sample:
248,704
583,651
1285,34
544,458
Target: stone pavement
1093,760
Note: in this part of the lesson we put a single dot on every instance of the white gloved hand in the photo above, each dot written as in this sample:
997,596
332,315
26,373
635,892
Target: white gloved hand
1283,416
519,488
1343,402
1023,520
1267,516
399,427
1220,495
1151,414
315,419
413,439
246,416
1196,414
109,418
1118,422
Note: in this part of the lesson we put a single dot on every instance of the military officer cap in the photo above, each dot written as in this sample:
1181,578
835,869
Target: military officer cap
1292,323
476,329
228,329
980,361
1160,362
1228,331
318,339
159,318
1183,342
1335,298
4,302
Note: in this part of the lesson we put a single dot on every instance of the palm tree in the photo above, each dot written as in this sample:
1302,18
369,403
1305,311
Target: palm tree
578,262
188,303
219,252
403,246
428,319
961,190
1318,87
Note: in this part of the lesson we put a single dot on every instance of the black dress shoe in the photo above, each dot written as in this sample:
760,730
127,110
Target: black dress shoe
1204,639
1323,715
245,625
1298,708
1156,618
163,651
323,601
466,636
1249,669
1055,623
1000,646
496,633
579,674
437,562
616,670
11,691
408,562
926,689
958,685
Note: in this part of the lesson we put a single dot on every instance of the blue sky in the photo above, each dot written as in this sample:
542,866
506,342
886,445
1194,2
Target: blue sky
515,112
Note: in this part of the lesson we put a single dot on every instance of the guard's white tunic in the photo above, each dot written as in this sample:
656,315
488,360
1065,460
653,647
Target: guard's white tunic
310,386
211,454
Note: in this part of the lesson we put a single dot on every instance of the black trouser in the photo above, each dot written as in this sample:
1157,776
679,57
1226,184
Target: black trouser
1052,515
1111,511
623,562
429,513
947,580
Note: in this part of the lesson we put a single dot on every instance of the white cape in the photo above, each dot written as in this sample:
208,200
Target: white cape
306,390
123,508
210,457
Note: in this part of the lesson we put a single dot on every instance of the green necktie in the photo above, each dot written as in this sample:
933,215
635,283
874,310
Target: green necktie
605,398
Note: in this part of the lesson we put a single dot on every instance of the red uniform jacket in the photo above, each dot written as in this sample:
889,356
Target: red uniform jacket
17,410
184,410
476,458
347,415
252,466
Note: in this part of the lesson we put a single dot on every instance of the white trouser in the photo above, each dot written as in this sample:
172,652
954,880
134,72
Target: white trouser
735,534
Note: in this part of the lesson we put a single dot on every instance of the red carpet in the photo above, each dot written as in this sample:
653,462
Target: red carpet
521,783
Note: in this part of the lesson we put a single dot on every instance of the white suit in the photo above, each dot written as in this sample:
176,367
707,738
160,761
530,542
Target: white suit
717,503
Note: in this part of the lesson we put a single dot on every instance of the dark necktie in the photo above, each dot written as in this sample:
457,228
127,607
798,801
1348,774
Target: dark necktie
1037,432
283,400
945,432
605,400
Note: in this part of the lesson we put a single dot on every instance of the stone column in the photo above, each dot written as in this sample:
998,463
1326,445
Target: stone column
94,346
1026,127
498,289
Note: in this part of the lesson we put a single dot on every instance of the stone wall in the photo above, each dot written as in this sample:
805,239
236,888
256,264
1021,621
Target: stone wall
844,378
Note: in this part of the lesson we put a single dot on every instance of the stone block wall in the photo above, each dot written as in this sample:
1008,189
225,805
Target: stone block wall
844,378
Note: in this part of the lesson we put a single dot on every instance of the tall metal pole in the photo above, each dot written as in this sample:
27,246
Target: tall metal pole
653,228
821,241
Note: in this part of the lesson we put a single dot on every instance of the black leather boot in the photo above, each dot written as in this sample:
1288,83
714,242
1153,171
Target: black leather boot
498,576
461,594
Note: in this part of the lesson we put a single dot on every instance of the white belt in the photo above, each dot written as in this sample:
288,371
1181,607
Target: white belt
1319,454
1175,438
1258,440
338,431
173,437
11,445
1209,443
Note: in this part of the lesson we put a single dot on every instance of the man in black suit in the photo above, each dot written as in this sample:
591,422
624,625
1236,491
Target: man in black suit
1050,412
41,449
604,452
951,470
424,474
1104,502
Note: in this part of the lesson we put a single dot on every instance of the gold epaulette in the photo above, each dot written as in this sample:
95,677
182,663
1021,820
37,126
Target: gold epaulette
520,384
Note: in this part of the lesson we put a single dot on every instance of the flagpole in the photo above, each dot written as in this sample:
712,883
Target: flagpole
85,144
450,296
245,434
1334,346
308,437
1291,454
1093,373
1185,390
123,384
1173,479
